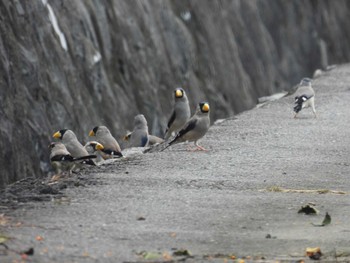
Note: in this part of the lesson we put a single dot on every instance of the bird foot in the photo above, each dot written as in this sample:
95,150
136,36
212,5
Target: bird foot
198,148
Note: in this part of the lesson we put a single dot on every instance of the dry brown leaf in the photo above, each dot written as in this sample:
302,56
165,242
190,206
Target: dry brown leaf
167,256
39,238
4,220
313,252
307,191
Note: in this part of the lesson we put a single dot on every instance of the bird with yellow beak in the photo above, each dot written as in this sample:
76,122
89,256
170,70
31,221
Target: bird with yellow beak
111,148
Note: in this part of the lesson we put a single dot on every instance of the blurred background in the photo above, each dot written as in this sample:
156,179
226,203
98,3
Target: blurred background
82,63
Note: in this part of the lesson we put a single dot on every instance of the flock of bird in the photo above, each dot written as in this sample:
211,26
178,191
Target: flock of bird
68,153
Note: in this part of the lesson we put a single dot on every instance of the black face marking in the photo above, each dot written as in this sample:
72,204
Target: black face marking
95,129
63,132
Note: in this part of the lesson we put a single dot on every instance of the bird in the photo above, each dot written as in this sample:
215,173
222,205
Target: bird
62,161
139,135
181,113
110,144
304,97
94,147
152,140
195,128
74,147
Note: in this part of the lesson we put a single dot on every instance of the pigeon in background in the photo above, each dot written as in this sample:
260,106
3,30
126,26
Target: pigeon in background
139,135
304,97
180,115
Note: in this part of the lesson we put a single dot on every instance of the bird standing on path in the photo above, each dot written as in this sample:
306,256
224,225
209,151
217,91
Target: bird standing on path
62,161
94,147
139,135
304,97
180,115
74,147
195,128
110,144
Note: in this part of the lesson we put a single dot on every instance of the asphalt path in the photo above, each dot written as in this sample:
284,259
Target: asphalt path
238,200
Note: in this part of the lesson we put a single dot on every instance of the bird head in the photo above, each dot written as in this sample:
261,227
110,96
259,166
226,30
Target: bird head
204,107
59,134
93,131
96,146
179,93
305,82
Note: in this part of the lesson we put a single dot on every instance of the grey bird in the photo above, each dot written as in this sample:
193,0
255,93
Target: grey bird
304,97
94,147
62,161
180,115
74,147
152,139
195,128
110,144
139,135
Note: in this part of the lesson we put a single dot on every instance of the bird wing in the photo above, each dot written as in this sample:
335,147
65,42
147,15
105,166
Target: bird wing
189,126
62,157
112,152
144,141
171,120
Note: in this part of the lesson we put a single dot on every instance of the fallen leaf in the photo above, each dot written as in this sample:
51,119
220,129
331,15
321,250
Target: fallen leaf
306,191
314,253
3,220
39,238
326,221
167,256
3,239
182,252
85,254
150,255
141,218
173,234
29,252
308,210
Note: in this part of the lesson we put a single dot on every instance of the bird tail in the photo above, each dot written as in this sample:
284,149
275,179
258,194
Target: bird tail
299,100
86,159
114,154
91,156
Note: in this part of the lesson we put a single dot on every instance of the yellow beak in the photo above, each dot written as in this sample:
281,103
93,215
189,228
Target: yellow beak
99,146
91,133
57,135
178,93
205,107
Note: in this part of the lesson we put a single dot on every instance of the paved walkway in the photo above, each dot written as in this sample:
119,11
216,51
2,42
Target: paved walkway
231,200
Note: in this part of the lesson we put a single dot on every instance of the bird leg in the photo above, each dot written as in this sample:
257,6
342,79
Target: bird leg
198,148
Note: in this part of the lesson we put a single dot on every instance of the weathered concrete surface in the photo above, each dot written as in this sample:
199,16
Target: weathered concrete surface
209,202
106,61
